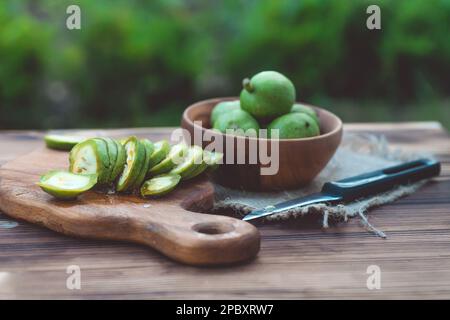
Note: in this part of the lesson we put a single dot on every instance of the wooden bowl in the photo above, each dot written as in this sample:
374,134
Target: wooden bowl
300,160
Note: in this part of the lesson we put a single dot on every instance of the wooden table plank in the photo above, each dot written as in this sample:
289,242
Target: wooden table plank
296,260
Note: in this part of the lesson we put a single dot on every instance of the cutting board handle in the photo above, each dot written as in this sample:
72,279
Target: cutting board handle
197,238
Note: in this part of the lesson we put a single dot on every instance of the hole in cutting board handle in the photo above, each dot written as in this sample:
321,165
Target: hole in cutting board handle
212,228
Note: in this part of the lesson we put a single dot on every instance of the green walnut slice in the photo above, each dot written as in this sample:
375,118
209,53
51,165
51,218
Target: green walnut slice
196,171
90,157
120,161
112,149
160,185
210,162
212,159
135,158
148,145
191,161
66,185
160,152
176,153
62,142
102,148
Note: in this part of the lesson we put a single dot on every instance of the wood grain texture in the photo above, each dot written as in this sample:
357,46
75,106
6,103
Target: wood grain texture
297,260
165,224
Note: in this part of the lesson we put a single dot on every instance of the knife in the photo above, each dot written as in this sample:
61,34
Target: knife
350,189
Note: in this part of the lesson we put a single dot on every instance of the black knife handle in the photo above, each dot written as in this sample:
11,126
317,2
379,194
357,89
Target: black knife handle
382,180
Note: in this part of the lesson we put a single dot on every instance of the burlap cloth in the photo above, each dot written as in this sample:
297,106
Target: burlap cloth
358,153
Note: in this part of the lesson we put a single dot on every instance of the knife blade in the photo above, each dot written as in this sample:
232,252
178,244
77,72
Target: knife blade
357,187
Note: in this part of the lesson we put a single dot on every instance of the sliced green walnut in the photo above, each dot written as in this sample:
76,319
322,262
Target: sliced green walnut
175,156
103,150
212,159
102,147
90,157
191,162
148,145
120,161
112,149
65,185
135,158
196,172
62,142
160,185
117,158
161,150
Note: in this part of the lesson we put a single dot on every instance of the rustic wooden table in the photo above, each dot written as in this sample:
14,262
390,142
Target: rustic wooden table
294,262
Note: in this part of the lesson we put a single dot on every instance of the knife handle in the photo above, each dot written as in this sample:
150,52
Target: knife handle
382,180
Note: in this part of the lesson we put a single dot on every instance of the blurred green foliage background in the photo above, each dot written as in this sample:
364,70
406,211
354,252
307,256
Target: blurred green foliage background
140,63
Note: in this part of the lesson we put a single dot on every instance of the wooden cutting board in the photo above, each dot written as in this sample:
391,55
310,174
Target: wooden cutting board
168,224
